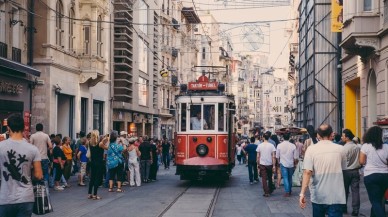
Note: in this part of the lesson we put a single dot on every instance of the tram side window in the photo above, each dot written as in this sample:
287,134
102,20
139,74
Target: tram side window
196,118
210,116
183,117
221,117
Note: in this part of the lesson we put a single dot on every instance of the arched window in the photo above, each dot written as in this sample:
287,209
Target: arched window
71,29
59,22
372,98
99,36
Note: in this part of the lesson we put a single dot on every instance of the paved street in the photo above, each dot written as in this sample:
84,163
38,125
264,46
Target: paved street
170,197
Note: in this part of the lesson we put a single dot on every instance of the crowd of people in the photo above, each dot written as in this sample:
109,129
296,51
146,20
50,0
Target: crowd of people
125,160
327,159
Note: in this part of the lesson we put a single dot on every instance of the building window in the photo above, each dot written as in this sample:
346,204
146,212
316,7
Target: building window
385,12
143,55
84,114
99,36
143,16
143,92
15,28
203,53
86,34
71,29
59,22
2,22
98,114
367,5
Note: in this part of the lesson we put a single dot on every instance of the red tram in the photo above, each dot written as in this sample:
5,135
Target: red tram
204,139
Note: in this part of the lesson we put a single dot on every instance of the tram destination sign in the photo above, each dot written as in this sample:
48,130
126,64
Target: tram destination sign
203,86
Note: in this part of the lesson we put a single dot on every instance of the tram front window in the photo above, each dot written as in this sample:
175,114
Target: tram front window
202,119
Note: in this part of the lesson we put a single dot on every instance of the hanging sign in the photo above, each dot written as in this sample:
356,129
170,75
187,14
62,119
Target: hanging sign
336,15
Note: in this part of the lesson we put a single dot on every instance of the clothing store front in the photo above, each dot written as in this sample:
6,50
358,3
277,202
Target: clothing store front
16,81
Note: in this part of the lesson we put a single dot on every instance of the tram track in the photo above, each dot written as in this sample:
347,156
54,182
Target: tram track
172,209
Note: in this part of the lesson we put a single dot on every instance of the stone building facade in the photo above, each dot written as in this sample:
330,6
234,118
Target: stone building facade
72,51
364,64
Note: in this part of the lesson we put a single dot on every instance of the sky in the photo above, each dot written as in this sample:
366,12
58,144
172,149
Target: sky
275,38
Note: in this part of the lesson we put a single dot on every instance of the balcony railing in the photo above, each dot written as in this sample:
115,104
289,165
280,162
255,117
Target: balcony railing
3,50
16,54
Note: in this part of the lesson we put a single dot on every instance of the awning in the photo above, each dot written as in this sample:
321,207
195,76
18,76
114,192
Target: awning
6,63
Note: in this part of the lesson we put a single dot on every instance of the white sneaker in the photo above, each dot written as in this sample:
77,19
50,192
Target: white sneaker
58,188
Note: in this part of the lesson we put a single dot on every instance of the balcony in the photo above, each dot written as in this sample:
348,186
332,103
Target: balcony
360,35
16,54
3,50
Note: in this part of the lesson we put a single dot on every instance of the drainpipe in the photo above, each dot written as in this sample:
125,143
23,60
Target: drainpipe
339,82
30,48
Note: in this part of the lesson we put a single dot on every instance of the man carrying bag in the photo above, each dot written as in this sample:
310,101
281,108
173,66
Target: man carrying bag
17,157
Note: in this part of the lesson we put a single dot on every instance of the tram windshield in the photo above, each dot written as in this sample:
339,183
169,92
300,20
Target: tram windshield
202,117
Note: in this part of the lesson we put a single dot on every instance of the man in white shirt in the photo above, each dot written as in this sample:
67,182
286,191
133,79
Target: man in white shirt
43,142
325,160
266,161
287,156
196,122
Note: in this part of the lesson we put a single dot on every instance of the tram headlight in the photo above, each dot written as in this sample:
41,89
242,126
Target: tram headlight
202,150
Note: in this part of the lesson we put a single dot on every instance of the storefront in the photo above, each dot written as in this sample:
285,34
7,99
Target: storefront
16,81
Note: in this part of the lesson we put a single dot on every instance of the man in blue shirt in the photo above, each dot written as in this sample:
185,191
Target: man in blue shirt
252,164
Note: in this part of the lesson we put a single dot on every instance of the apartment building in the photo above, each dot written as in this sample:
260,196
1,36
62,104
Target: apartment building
17,77
364,65
72,51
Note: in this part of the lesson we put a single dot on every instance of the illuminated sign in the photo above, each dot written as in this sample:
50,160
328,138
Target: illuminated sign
10,88
203,86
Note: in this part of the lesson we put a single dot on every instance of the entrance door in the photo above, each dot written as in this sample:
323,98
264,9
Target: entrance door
65,115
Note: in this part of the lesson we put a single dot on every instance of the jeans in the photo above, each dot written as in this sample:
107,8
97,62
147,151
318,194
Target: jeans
352,180
166,160
376,184
45,169
252,171
333,210
17,210
145,169
287,173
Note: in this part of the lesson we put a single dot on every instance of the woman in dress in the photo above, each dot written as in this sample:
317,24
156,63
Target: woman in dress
374,155
96,165
133,163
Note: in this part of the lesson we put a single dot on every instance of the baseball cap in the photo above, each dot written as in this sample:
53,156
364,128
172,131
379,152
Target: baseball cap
123,133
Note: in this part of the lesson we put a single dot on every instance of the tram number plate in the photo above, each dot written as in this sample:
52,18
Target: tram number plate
180,154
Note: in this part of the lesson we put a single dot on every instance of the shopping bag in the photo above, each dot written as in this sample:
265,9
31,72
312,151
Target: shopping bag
297,177
42,204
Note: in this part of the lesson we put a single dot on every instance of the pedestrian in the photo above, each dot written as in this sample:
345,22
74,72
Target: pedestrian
287,156
115,160
310,141
43,142
154,162
124,142
81,156
97,166
266,160
17,157
238,152
299,147
166,146
374,155
133,163
69,159
59,160
75,147
351,172
325,160
250,149
145,158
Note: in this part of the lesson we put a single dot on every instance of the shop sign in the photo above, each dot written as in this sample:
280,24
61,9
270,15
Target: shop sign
10,88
